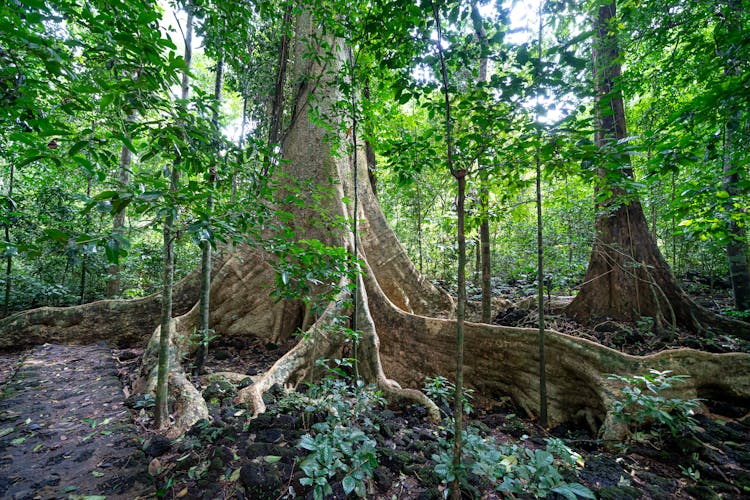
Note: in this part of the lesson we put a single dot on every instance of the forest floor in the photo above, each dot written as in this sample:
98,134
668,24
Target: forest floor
64,429
69,428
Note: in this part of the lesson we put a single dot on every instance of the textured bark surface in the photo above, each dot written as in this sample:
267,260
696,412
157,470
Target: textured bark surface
119,322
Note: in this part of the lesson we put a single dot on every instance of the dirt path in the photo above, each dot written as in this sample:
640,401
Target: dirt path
64,430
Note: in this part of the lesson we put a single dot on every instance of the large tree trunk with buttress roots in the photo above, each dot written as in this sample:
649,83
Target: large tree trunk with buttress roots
407,330
627,278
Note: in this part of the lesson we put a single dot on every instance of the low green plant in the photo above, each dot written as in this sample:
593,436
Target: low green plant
690,472
645,325
441,391
339,447
513,469
647,413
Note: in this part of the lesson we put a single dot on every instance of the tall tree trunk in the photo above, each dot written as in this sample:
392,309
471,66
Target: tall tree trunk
161,411
11,207
277,103
627,277
240,145
82,284
484,195
204,326
419,226
369,151
114,279
460,176
734,171
737,254
540,245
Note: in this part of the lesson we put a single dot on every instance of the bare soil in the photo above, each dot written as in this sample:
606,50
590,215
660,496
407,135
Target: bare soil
64,429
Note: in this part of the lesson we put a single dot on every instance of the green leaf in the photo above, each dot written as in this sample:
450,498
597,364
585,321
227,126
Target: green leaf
106,101
56,235
349,483
272,459
573,490
235,475
78,146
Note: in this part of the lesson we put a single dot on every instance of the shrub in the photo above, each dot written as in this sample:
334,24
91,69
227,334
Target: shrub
339,447
441,390
647,413
513,469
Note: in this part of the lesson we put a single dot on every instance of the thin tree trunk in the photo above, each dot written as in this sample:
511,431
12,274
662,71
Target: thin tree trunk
484,195
477,262
737,251
739,272
161,410
204,327
9,257
540,253
277,103
369,151
460,176
355,209
240,145
82,285
419,224
114,279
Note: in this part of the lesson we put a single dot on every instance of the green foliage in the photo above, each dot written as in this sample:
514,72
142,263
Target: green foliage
646,412
339,446
442,391
513,469
337,449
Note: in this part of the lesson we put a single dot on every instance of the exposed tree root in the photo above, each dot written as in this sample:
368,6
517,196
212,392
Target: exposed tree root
322,341
628,279
504,361
119,322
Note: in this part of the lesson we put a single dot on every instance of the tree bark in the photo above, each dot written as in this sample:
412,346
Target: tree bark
734,172
277,103
114,279
627,277
166,328
9,258
484,195
204,327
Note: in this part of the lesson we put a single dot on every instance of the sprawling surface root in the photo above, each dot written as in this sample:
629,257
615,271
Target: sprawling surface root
390,264
118,322
241,306
321,341
189,405
504,361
